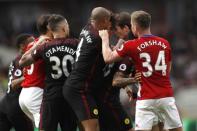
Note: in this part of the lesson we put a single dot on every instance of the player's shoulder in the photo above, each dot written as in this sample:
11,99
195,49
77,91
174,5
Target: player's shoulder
133,41
89,32
62,41
161,39
125,64
126,60
71,41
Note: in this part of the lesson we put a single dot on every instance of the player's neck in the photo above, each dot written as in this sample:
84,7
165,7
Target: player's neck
144,32
47,35
58,36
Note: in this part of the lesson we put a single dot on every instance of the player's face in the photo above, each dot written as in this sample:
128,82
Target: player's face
107,24
122,32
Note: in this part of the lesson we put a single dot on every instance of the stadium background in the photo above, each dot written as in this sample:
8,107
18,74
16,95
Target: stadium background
174,20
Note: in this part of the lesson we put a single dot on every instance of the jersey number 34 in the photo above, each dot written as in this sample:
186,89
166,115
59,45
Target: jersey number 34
160,64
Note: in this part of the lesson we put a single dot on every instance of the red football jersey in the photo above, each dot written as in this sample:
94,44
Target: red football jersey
35,73
152,57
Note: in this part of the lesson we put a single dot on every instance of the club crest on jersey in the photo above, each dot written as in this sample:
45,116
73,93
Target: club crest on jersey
122,67
120,48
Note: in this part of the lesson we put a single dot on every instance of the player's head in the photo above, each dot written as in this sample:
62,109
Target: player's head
58,25
101,16
123,24
42,23
140,22
22,41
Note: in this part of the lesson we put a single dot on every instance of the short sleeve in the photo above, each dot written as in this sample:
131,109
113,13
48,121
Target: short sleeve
125,66
14,69
123,50
37,53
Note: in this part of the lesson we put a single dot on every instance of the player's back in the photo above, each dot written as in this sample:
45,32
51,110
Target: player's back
35,73
152,56
58,55
89,61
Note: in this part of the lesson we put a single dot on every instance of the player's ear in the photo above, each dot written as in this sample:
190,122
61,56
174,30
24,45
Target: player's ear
48,28
64,30
126,28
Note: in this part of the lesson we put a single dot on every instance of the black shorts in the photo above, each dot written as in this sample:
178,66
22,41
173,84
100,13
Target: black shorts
11,116
54,112
112,117
82,102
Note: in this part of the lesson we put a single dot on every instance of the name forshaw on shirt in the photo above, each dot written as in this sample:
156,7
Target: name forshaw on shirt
151,43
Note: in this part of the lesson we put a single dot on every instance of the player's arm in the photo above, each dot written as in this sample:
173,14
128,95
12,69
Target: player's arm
41,40
27,58
17,82
118,44
108,55
122,80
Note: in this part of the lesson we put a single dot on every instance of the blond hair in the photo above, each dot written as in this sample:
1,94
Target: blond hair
141,18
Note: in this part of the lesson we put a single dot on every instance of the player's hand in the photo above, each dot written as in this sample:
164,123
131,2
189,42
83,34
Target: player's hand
104,34
119,43
129,93
137,76
42,40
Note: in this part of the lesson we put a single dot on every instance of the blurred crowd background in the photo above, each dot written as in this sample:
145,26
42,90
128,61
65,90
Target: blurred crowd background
175,20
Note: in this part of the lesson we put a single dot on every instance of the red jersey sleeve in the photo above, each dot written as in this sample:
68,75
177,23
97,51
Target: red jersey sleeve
124,49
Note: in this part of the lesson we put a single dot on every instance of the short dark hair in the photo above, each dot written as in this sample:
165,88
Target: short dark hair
42,23
54,20
100,13
123,19
142,18
22,39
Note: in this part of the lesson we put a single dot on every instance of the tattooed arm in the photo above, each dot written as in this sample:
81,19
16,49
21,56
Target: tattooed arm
122,80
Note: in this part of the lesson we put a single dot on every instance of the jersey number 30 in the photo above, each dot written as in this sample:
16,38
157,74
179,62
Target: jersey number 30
58,64
160,64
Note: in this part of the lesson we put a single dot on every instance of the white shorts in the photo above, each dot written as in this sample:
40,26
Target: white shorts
150,112
30,100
